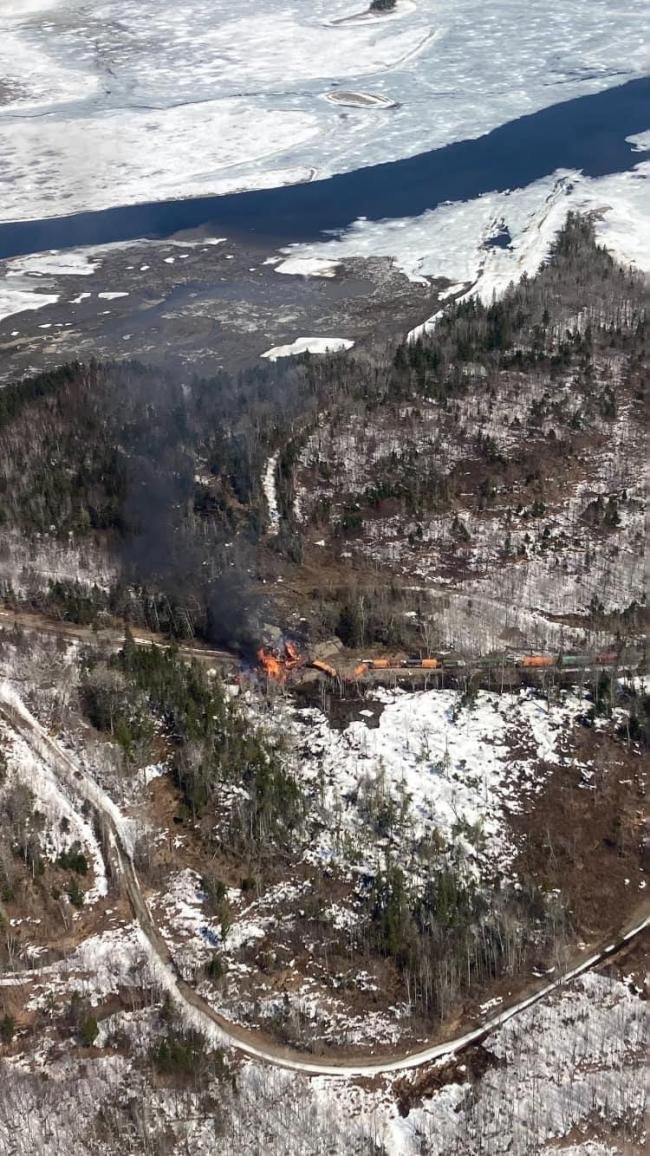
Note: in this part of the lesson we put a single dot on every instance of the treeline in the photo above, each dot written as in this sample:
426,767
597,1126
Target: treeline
554,335
165,473
548,320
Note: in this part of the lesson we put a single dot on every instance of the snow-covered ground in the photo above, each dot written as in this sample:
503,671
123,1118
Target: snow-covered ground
309,345
568,1078
572,1062
64,825
123,101
448,772
269,488
27,565
17,300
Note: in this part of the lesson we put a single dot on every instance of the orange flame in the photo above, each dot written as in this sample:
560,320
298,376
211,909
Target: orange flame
278,665
271,664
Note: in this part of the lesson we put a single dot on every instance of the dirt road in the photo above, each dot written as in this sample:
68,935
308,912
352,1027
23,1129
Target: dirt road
202,1014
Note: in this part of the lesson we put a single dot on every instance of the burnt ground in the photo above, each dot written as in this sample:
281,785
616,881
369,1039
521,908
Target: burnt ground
202,307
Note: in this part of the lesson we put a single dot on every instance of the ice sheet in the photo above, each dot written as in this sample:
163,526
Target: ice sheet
124,101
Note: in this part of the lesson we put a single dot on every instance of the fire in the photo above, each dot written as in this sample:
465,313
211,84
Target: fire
271,665
277,664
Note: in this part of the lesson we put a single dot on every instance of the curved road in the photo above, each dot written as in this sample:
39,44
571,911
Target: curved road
248,1041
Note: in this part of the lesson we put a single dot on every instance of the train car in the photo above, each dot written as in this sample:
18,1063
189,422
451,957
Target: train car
573,660
607,658
324,667
430,664
534,661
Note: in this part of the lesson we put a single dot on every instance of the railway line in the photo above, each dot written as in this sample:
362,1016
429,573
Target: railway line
288,664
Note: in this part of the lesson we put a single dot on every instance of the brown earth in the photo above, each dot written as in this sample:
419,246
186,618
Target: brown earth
585,839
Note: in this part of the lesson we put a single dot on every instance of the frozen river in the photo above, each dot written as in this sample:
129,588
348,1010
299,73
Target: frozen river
587,133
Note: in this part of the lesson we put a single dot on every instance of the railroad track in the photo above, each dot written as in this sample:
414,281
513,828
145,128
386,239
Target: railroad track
372,670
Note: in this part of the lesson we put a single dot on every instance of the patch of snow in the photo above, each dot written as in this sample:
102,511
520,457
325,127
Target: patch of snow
449,772
14,300
72,263
269,488
68,772
64,824
309,345
304,266
149,774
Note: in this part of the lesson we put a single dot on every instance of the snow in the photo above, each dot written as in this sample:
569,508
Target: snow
309,345
452,772
53,803
270,492
27,564
147,775
453,241
564,1064
14,300
74,262
138,155
111,296
127,101
68,773
569,1069
305,266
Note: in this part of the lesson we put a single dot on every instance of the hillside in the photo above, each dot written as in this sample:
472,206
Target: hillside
247,891
488,479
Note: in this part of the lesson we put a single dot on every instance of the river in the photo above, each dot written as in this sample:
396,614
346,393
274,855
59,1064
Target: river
586,133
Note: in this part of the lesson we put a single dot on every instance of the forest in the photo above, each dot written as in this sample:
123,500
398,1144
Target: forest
166,475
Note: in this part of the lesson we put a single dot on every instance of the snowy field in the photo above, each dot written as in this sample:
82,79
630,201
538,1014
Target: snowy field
449,772
124,101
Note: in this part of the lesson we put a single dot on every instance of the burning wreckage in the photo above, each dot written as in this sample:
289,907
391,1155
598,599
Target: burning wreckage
284,662
279,662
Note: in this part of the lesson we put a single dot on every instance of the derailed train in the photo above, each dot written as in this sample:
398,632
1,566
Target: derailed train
287,662
605,659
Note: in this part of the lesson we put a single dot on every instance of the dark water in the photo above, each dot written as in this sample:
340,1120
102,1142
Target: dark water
586,133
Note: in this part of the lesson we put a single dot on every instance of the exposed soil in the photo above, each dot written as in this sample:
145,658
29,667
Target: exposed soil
583,834
412,1090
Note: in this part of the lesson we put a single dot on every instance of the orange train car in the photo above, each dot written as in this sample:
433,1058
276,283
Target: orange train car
318,664
396,664
536,660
